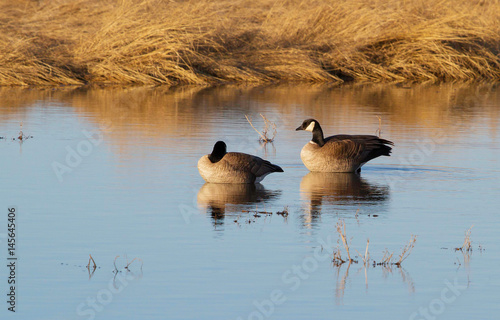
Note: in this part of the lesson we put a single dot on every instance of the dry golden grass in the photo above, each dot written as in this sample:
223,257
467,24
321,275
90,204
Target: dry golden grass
216,41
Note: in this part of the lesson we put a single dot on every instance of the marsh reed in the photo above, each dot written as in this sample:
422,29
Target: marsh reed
151,42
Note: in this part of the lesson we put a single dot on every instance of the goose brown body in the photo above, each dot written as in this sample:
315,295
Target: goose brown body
234,167
340,153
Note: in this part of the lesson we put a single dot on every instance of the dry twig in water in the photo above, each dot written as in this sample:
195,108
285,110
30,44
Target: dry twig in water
379,130
467,245
128,264
366,257
337,257
114,262
387,258
343,236
268,125
22,136
407,250
91,259
283,213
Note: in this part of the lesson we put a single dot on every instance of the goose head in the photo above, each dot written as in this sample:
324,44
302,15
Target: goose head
218,152
313,126
308,125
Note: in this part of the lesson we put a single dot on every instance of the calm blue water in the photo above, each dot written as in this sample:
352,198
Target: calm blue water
112,172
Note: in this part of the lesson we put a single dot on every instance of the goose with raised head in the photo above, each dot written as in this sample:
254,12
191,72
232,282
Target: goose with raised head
340,153
234,167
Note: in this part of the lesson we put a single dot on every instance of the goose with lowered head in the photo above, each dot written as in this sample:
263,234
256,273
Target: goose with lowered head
234,167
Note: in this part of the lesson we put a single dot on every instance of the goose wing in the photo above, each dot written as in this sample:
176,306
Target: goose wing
251,164
361,148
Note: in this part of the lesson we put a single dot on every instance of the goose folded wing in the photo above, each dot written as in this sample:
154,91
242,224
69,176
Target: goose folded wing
358,147
263,167
344,148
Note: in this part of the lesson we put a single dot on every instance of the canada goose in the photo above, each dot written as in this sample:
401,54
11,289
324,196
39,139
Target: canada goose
340,153
233,167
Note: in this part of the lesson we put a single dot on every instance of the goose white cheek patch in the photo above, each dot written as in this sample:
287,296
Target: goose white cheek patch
310,127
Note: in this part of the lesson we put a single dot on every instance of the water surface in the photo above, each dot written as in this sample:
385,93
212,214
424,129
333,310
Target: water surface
112,172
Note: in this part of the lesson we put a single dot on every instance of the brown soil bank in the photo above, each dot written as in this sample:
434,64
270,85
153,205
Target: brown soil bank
215,41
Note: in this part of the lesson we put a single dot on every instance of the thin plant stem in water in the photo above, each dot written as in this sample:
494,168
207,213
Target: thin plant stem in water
267,126
341,231
467,245
379,130
407,250
91,259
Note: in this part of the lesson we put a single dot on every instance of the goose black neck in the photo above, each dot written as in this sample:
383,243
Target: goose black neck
318,135
218,152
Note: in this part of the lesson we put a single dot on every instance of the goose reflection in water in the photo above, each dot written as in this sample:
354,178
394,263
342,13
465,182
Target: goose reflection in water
221,199
338,189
